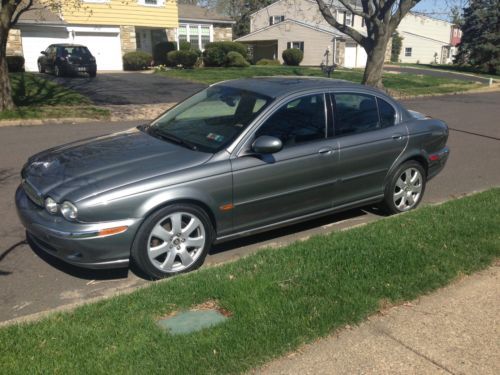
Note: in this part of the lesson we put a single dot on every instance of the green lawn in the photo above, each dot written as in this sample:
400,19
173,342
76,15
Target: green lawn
279,298
36,97
397,84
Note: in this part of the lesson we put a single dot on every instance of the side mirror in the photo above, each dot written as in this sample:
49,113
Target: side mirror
266,144
43,53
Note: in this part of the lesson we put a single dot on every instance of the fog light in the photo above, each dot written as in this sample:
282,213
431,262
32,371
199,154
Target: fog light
69,211
51,205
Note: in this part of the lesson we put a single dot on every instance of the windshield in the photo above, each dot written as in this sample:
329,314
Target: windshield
211,119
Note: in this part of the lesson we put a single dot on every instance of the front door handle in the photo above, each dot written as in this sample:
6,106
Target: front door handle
397,137
325,151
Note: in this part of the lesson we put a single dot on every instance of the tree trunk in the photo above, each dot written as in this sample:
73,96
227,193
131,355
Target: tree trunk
6,101
375,63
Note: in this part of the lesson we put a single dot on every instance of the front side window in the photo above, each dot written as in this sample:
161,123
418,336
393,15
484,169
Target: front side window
355,113
301,120
211,119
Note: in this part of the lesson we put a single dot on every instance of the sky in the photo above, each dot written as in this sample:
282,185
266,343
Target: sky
438,8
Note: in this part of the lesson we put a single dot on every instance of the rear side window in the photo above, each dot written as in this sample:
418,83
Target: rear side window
387,113
355,113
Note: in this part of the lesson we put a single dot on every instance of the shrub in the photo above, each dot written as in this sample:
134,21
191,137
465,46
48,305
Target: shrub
215,53
187,59
213,57
268,62
292,56
235,59
137,60
15,63
160,51
185,46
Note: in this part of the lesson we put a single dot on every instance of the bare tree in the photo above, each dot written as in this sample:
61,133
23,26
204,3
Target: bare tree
382,17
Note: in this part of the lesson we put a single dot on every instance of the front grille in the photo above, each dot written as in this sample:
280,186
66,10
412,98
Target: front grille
32,193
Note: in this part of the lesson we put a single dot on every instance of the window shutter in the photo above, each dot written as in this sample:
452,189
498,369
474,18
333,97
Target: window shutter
352,20
289,45
345,17
270,21
282,18
302,46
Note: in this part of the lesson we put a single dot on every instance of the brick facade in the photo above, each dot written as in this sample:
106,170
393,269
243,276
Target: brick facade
14,43
127,39
223,33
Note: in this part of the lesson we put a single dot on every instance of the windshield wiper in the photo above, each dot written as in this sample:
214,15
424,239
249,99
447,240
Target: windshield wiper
155,132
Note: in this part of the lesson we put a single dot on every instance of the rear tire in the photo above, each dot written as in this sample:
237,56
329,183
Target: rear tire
405,188
175,239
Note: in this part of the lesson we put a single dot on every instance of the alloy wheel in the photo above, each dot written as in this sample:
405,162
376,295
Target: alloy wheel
176,242
408,189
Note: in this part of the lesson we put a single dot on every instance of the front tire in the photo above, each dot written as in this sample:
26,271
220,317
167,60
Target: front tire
40,68
172,240
57,71
405,188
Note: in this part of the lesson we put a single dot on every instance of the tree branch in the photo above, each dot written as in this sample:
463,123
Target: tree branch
403,8
355,35
21,11
352,10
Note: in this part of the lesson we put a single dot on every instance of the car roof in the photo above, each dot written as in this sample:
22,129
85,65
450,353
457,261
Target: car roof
67,45
277,86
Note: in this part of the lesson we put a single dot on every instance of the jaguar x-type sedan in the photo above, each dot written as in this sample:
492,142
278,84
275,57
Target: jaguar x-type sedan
237,158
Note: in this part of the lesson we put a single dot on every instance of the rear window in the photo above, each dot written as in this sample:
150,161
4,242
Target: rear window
387,113
74,51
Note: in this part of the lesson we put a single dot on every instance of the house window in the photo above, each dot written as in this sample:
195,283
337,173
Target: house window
297,45
348,19
276,19
408,51
197,35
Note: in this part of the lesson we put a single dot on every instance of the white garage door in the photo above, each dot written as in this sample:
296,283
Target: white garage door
361,57
350,55
35,41
104,46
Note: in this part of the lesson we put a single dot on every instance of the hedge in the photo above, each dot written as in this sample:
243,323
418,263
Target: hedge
137,60
292,56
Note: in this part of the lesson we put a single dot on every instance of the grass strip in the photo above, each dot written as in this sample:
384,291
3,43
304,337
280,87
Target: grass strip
39,98
401,84
279,298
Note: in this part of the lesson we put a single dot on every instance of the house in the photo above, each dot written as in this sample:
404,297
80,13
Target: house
111,28
300,24
427,40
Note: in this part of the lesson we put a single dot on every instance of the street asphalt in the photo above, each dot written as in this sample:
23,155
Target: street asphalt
32,283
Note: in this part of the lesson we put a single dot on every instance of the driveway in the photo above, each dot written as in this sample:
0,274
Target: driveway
130,88
32,283
435,73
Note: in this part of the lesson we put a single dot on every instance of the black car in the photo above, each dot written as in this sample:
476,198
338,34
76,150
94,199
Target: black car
67,59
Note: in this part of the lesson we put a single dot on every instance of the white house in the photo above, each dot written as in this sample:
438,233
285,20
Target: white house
300,24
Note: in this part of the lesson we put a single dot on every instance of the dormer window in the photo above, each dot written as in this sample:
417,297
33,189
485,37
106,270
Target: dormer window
151,3
276,19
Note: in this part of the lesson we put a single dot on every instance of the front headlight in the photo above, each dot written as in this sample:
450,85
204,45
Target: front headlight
69,211
51,206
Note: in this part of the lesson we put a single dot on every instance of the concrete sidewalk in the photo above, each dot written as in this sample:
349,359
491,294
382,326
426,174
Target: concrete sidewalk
452,331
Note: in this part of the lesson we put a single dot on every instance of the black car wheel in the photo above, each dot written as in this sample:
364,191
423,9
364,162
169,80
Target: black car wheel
405,188
41,69
172,240
92,73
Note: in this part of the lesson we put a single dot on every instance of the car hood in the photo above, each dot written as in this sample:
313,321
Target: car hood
92,166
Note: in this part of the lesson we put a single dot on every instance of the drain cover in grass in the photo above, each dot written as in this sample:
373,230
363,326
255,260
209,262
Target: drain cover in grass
191,321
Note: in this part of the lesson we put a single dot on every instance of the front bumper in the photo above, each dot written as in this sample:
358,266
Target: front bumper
73,242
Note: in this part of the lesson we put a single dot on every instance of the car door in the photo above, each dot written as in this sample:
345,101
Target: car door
293,182
369,140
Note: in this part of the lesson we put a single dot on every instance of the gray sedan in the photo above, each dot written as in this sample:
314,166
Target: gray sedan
235,159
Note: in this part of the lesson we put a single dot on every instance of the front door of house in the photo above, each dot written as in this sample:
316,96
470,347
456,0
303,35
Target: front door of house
143,38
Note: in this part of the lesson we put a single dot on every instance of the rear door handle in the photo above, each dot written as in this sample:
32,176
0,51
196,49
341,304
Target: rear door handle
325,151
